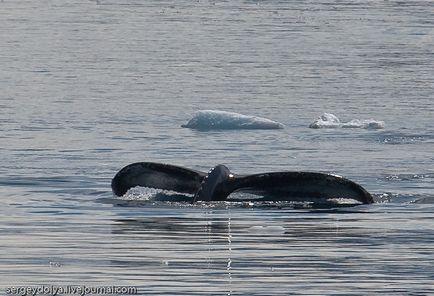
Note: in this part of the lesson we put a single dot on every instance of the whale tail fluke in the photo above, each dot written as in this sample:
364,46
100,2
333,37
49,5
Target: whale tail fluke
158,176
300,186
219,183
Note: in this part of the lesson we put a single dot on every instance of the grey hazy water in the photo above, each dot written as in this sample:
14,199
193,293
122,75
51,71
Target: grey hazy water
87,88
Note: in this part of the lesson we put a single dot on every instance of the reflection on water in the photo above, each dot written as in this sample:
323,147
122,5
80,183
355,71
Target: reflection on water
238,249
168,250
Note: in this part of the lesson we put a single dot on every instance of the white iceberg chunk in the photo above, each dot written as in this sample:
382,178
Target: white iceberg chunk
215,119
366,124
328,120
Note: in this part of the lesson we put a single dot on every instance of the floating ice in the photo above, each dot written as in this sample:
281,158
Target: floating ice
366,123
215,119
328,120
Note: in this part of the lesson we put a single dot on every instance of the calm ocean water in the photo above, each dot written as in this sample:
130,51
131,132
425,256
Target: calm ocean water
90,86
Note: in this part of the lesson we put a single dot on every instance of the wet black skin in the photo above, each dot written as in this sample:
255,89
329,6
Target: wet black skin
219,183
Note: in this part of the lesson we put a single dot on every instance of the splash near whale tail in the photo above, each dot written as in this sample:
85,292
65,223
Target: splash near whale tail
219,183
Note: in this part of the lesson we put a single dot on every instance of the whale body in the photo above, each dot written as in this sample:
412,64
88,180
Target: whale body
219,183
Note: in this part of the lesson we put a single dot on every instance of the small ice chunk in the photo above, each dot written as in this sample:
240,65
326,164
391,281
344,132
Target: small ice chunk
366,124
373,124
326,120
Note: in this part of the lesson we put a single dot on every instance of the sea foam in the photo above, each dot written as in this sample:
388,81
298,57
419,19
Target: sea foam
215,119
328,120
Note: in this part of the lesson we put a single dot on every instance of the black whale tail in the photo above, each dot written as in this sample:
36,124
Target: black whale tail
156,175
301,186
219,183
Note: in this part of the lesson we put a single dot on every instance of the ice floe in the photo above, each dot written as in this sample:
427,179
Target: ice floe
215,119
328,120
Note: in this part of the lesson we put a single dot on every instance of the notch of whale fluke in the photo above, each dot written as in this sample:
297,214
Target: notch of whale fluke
219,183
216,185
223,120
